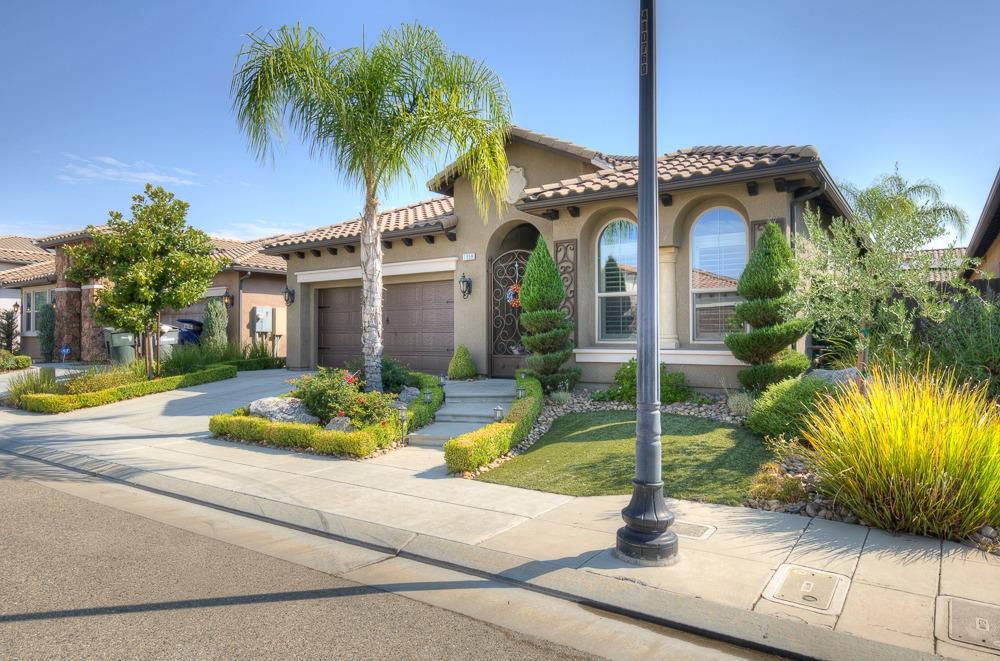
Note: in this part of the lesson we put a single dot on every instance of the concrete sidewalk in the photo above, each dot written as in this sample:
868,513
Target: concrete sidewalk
809,587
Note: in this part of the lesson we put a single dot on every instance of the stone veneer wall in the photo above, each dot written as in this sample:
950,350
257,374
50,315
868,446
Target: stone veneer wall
92,346
67,303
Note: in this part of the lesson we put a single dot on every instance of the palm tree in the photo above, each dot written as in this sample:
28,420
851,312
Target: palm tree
376,113
893,196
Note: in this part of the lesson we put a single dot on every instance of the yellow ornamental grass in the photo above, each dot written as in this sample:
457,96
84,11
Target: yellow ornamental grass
911,453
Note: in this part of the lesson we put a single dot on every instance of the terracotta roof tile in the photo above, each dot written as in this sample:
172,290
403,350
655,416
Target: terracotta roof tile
248,254
21,250
690,163
30,274
945,262
428,215
701,279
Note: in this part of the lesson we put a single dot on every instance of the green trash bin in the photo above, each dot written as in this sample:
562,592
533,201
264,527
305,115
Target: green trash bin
121,345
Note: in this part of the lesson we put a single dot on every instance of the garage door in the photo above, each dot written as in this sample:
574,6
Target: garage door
418,325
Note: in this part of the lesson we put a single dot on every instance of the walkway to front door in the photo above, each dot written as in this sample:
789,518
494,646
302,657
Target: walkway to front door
468,406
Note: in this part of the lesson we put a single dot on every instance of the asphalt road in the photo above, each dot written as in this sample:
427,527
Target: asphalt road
81,580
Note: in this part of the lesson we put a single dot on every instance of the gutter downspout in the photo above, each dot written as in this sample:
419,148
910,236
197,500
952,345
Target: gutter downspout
796,202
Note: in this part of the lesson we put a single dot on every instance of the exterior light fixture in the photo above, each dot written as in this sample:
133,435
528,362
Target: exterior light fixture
227,300
427,396
289,295
442,380
520,392
465,286
498,413
16,307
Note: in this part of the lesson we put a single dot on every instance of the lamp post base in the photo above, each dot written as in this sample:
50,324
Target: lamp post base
645,538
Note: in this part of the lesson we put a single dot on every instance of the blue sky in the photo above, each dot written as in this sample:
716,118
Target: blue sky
100,97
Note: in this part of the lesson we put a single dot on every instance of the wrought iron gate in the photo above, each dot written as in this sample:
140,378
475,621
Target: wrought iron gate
506,350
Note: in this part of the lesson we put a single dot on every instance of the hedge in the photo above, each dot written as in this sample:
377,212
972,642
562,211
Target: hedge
360,443
250,364
10,361
421,413
51,403
478,448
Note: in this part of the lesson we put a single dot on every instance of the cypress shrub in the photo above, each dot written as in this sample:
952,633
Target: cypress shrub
547,329
461,366
45,320
767,280
216,323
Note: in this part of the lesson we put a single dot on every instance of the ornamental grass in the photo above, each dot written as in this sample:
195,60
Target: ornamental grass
907,452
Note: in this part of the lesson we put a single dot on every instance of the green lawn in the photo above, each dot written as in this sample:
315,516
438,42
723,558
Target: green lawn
593,454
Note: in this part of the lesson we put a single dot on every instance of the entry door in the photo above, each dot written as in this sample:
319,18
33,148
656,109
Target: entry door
506,273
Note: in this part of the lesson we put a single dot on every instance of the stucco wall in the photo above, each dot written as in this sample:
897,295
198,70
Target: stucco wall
264,290
991,260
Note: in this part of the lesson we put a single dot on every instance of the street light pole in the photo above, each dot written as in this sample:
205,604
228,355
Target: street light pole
645,538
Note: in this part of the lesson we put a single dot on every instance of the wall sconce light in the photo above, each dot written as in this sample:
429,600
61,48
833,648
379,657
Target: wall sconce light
498,413
227,300
465,286
289,295
16,307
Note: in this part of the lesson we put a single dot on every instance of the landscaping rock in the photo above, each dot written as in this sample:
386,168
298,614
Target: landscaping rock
408,394
340,423
837,376
282,409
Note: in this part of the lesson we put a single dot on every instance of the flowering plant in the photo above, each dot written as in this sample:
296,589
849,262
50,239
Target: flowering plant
331,393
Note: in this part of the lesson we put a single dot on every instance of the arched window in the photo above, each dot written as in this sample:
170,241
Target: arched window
616,281
718,255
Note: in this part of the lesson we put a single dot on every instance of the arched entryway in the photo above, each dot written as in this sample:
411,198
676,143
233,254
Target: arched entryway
506,269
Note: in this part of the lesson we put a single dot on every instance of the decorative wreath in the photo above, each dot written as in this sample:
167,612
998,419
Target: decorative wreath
513,295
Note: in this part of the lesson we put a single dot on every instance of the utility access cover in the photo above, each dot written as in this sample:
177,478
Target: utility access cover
692,530
974,623
813,589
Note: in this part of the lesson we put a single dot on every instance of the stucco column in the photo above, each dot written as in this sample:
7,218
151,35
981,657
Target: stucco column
668,298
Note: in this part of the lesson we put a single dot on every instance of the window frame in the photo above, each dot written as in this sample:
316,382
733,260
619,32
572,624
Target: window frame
29,312
692,291
598,295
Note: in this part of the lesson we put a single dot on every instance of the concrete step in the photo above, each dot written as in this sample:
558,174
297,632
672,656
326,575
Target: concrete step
481,389
478,399
481,412
437,434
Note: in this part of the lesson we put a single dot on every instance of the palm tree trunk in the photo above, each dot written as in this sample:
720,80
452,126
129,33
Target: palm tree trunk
371,291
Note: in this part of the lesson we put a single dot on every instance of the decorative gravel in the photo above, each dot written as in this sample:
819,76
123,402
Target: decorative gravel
817,506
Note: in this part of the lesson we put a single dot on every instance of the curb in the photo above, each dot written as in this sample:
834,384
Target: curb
768,633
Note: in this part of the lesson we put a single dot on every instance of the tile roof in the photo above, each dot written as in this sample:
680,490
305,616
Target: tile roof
420,217
21,250
442,181
30,274
684,164
64,237
248,255
707,280
945,262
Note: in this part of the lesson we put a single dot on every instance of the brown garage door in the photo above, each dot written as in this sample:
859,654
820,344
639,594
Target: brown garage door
418,325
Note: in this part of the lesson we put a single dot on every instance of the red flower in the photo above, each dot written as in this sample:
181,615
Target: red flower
340,414
349,378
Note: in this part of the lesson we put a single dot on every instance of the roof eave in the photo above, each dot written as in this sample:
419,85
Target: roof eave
988,226
446,223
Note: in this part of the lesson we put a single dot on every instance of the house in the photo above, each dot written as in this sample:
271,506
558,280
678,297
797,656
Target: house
715,201
17,251
252,281
985,242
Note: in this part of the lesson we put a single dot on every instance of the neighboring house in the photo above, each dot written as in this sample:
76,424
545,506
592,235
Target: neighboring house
16,251
946,263
252,280
985,243
715,201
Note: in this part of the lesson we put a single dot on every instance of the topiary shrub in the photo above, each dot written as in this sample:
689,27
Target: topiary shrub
768,278
461,366
916,453
673,385
781,409
547,329
45,320
214,331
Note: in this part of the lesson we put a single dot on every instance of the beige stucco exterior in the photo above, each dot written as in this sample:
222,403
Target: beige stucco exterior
707,365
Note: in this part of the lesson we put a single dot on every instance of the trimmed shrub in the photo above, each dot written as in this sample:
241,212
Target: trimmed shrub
461,366
214,332
12,361
911,453
478,448
360,443
61,403
548,330
421,413
768,278
673,385
45,323
782,408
